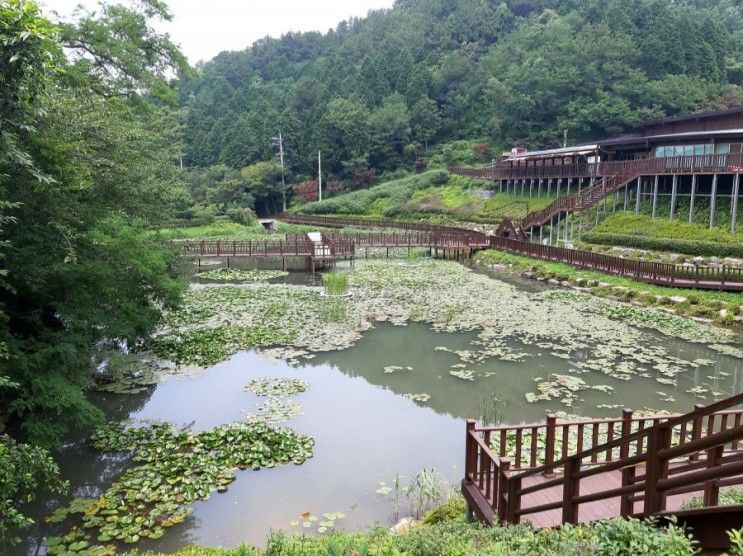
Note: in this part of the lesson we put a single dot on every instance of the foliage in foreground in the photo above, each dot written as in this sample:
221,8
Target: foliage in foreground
728,497
24,470
86,165
453,536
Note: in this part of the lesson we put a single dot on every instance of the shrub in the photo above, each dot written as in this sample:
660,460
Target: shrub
391,196
688,247
242,216
453,510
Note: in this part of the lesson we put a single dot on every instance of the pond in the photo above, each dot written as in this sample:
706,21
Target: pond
393,403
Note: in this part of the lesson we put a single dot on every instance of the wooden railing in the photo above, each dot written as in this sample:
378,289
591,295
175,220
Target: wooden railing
658,273
723,277
656,455
442,234
696,164
296,247
581,201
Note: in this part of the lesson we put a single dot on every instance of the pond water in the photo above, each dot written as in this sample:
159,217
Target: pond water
366,430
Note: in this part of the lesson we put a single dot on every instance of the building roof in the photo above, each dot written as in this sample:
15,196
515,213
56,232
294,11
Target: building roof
694,116
565,151
635,139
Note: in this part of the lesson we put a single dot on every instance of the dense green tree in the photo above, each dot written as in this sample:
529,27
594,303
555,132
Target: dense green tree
513,71
88,161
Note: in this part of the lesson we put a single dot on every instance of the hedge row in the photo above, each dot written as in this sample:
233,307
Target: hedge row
684,246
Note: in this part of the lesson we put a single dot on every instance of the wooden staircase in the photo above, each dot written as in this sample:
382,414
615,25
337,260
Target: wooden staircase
583,200
634,466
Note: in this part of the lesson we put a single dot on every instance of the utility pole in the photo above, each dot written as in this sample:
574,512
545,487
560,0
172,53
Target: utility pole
319,175
283,182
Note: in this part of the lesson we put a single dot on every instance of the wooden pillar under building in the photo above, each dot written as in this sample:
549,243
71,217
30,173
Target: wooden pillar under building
734,202
559,184
655,194
539,187
531,187
639,195
549,187
713,201
693,196
626,193
523,183
674,190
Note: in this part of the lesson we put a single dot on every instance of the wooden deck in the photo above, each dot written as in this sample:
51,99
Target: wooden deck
590,511
604,468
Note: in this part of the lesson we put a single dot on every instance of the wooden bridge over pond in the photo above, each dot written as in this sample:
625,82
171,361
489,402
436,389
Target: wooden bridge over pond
463,241
323,249
640,466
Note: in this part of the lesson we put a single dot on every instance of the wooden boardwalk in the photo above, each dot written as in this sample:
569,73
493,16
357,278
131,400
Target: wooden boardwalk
462,240
590,511
554,472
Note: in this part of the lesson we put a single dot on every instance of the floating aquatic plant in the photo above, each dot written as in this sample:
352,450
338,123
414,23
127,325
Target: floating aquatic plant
274,410
266,386
421,398
171,470
244,275
394,369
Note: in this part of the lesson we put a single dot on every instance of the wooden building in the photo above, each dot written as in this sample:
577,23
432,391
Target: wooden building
682,167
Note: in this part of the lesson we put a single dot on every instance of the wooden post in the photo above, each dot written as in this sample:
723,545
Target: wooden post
696,426
734,202
626,193
626,505
549,448
691,199
674,189
514,499
638,200
626,431
470,452
655,195
656,470
711,488
713,202
502,492
570,490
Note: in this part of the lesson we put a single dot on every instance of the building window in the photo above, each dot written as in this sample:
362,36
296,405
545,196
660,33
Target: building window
687,150
736,148
723,148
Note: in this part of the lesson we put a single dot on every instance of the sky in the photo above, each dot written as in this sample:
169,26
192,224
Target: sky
204,28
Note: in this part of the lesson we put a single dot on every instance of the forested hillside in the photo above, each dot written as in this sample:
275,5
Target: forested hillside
375,94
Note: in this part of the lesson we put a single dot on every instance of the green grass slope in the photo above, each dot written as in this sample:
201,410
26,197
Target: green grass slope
433,195
642,231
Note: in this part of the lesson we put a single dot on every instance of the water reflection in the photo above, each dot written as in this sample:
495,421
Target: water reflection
365,430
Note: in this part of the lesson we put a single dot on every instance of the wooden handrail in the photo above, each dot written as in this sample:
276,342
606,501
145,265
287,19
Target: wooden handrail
708,163
697,413
658,480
